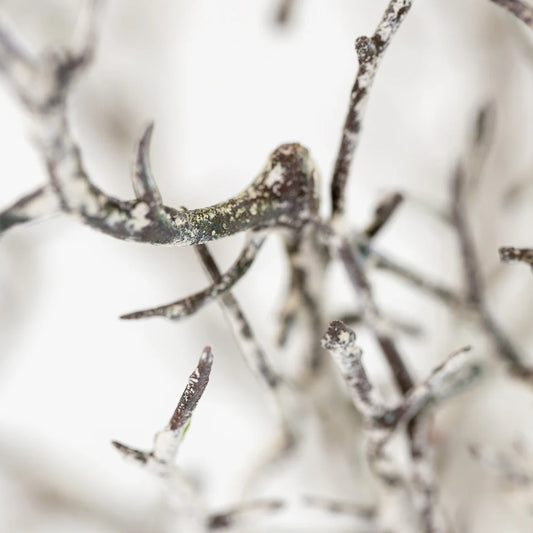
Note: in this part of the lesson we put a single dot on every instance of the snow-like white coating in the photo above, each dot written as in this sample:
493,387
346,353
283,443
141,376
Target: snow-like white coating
139,219
79,197
275,176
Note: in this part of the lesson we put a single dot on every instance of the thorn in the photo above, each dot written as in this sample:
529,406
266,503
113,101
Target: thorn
143,181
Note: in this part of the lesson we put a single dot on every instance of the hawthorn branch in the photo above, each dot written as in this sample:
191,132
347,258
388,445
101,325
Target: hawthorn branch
370,51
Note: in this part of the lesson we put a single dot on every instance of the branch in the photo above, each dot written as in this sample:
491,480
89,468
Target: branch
471,265
369,52
519,9
235,516
383,213
366,514
284,194
446,380
339,340
284,12
508,253
356,273
253,353
167,441
191,304
470,262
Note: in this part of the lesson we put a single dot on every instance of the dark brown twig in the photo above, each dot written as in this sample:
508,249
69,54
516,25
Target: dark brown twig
191,304
383,213
508,253
253,353
370,51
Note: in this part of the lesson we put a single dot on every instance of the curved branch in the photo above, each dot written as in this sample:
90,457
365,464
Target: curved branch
191,304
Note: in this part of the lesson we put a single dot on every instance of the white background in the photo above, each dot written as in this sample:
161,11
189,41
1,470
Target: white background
225,86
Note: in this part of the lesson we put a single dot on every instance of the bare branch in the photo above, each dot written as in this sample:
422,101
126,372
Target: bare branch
472,268
238,514
356,273
339,340
167,441
519,9
447,379
364,513
383,213
40,203
508,253
253,353
284,11
369,52
469,257
430,287
191,304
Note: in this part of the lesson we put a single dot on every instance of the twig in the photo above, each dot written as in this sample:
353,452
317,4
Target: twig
369,52
383,213
519,9
355,270
284,12
470,263
191,304
508,253
363,513
167,441
253,353
235,516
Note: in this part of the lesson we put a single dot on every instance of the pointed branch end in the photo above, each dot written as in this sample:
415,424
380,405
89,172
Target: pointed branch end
130,453
142,314
206,359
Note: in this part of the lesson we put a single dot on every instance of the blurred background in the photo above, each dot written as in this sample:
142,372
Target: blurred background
225,84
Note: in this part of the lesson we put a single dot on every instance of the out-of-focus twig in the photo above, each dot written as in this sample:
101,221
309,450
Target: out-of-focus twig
520,9
383,213
418,484
508,253
245,511
473,272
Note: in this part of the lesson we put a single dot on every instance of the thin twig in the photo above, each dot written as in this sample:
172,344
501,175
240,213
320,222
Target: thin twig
383,213
246,510
253,353
167,441
370,51
191,304
519,9
284,11
525,255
